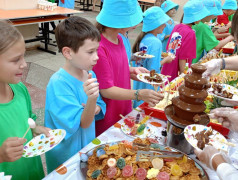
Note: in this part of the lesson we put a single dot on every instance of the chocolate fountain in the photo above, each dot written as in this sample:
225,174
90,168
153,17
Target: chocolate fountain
187,108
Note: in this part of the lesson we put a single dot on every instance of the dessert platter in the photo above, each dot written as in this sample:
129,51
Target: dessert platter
224,91
152,78
141,159
142,127
143,55
41,144
200,136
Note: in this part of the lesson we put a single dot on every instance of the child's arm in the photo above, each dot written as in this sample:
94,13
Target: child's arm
147,95
91,88
182,64
11,149
224,42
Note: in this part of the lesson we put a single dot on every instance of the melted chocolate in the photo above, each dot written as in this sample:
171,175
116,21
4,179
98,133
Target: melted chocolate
192,94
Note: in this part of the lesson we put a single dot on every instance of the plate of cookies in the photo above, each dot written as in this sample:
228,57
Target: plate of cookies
141,159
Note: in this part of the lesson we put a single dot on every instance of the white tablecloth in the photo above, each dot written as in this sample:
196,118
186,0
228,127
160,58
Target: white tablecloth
111,135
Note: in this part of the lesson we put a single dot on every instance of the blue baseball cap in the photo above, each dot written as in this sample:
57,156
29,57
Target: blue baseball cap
153,18
168,5
211,7
120,14
230,4
219,7
194,11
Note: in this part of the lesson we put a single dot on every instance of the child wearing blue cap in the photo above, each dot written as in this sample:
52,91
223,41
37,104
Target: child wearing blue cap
205,39
153,23
229,8
112,69
170,8
182,42
73,101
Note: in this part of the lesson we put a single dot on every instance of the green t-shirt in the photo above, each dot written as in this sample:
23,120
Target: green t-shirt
14,123
205,40
230,19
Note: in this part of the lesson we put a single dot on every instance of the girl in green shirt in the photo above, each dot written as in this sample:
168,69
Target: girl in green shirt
15,109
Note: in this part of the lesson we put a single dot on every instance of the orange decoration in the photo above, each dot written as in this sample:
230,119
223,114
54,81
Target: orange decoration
156,124
61,169
117,125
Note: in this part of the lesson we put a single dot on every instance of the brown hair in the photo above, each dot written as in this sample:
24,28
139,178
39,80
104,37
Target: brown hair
9,35
136,46
100,27
73,31
234,27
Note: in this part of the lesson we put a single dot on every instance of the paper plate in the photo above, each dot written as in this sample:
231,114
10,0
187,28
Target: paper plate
41,144
144,56
228,88
215,139
141,77
125,129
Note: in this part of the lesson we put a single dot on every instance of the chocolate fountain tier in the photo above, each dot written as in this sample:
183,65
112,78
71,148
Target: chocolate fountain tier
195,81
187,111
192,96
181,122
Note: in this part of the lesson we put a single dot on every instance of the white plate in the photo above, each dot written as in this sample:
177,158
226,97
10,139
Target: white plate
41,144
145,56
216,137
228,88
141,77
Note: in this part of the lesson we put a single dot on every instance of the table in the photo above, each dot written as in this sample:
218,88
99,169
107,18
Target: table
144,3
70,170
33,16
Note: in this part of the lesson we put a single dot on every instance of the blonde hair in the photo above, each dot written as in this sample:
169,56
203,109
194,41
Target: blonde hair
9,35
136,46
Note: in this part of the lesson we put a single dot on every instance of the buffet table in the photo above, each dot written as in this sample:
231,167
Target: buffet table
70,170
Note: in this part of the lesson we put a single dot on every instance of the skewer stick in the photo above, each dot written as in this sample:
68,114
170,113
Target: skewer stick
123,117
26,132
167,99
227,143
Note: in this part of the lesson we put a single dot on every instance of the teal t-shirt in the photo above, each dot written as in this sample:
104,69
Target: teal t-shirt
63,109
14,123
205,40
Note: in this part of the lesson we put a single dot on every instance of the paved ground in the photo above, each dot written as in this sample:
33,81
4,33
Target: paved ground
42,65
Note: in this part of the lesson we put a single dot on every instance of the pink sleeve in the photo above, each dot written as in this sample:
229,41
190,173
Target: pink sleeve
103,70
188,47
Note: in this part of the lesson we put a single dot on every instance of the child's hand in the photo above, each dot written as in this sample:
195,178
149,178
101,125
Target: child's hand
11,149
150,96
169,59
41,130
91,88
138,70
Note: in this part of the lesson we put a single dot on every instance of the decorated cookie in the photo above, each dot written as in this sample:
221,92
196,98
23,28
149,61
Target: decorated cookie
111,172
176,170
157,163
163,176
111,162
95,174
141,173
152,173
121,163
127,171
84,157
100,152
